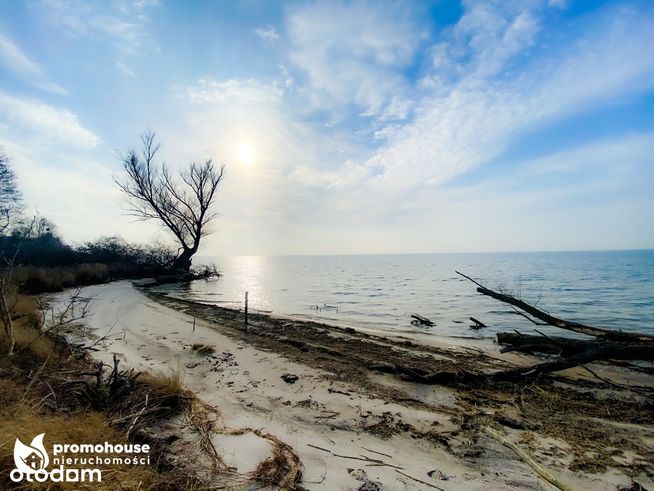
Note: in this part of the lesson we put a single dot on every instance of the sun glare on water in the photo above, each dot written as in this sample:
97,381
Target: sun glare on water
245,154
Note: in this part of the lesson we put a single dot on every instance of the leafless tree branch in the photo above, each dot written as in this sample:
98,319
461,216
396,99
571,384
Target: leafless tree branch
182,202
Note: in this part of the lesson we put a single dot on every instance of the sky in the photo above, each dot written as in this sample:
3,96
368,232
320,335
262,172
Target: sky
345,127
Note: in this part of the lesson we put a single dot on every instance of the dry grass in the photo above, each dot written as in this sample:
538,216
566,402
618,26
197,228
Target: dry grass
55,279
35,398
84,426
282,470
163,385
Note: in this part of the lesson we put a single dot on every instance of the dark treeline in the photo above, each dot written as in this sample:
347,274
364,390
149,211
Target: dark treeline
39,244
42,262
36,259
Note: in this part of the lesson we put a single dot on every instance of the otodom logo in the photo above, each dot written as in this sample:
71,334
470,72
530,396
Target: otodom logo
31,460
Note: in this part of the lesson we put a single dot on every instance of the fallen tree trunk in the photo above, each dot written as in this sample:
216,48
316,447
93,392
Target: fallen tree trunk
599,352
555,345
607,345
605,351
608,334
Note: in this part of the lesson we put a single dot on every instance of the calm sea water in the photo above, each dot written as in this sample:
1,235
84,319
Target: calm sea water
614,289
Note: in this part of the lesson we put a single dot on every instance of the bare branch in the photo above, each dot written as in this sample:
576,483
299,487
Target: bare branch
182,205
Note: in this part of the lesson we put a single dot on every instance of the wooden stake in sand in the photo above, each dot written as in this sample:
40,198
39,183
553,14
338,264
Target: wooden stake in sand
246,311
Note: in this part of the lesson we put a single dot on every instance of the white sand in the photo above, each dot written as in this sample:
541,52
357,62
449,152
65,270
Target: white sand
245,385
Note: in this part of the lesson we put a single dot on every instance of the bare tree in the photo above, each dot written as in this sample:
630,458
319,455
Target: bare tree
182,202
8,285
10,198
10,208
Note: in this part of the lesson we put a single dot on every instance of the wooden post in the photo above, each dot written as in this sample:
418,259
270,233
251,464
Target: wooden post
246,309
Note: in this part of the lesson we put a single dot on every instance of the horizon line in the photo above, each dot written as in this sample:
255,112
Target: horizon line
552,251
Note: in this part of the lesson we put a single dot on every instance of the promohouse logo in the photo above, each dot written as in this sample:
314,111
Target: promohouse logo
32,460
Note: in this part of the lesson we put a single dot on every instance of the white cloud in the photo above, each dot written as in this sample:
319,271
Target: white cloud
268,34
486,38
73,190
247,92
559,4
125,69
352,53
35,118
473,119
51,87
484,89
13,58
397,109
577,198
616,155
292,158
122,21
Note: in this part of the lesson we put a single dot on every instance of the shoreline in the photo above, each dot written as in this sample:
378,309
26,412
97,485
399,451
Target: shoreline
344,398
417,336
403,333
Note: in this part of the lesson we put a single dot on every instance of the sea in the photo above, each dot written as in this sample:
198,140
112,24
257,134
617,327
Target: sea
612,289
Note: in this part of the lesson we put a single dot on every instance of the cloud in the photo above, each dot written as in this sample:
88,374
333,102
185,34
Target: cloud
13,58
365,111
352,53
268,34
122,21
248,92
125,69
257,201
474,117
51,87
575,198
559,4
37,119
76,192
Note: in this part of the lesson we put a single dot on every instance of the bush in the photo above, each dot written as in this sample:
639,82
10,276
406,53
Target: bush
43,263
32,280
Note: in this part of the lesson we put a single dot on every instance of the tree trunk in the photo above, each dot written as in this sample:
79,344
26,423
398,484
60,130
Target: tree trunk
619,351
183,261
6,320
607,334
527,343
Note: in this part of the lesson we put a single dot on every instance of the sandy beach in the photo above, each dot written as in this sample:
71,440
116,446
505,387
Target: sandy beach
352,425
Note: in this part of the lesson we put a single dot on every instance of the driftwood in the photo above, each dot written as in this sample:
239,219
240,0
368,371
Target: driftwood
452,377
542,472
607,334
418,320
606,345
606,351
554,345
477,324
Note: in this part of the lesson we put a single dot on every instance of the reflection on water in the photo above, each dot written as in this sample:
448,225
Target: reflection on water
613,289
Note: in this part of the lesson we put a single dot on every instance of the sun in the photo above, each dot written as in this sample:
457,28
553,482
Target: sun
245,154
